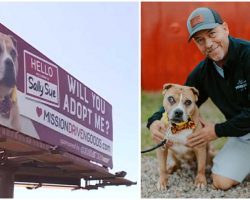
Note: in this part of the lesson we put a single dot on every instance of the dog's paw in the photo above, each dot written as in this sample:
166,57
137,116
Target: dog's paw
162,184
200,181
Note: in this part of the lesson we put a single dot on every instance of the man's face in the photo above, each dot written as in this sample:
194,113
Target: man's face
213,43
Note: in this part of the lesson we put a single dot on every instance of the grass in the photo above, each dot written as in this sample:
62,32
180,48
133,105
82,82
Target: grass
152,101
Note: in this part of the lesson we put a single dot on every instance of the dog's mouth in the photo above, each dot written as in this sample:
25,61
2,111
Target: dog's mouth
176,120
177,123
9,77
8,81
177,127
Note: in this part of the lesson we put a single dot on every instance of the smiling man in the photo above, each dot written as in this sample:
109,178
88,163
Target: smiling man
223,76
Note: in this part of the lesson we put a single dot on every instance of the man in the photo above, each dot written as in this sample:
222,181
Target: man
224,76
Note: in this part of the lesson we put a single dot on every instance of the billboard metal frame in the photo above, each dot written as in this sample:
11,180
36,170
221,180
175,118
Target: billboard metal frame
27,161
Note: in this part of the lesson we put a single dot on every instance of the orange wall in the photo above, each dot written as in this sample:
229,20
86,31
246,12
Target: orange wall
166,56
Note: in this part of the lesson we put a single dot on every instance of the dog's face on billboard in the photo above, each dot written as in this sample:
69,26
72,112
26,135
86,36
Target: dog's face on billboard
8,63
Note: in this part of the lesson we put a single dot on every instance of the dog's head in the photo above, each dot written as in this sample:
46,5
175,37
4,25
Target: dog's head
179,101
8,64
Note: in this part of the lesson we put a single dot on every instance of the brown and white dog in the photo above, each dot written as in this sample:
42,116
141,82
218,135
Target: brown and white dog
9,113
181,118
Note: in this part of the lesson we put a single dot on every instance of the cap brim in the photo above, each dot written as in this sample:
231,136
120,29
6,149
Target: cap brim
203,27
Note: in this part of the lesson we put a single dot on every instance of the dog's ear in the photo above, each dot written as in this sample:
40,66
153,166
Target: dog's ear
166,86
13,40
195,92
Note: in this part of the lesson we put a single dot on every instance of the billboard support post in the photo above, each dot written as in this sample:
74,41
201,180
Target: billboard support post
7,178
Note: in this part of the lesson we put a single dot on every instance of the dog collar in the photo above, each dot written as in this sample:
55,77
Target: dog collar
5,106
177,127
7,102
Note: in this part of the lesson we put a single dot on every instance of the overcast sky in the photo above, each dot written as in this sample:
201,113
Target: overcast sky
98,44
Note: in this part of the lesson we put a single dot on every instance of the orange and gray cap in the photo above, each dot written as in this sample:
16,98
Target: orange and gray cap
201,19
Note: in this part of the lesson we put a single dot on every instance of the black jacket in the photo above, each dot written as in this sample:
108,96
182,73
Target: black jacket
230,94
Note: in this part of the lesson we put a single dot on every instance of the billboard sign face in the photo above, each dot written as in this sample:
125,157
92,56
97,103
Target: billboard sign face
41,100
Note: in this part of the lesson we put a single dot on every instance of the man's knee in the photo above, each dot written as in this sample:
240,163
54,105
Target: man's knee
223,183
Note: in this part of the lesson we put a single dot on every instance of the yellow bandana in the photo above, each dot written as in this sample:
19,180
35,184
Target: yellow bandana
13,95
165,118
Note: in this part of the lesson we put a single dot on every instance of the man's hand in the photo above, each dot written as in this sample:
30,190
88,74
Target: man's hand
202,136
158,129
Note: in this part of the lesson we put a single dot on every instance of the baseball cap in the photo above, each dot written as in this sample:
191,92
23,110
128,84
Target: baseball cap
201,19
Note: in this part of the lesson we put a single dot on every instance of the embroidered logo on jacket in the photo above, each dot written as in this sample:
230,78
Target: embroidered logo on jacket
241,85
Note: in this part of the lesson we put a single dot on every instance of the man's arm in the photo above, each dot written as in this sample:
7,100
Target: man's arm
156,127
239,125
235,127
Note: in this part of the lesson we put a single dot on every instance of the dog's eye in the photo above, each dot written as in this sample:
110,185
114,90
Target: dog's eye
13,54
171,100
188,102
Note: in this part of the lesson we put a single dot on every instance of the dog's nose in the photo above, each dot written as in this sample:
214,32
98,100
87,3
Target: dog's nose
9,76
9,65
178,113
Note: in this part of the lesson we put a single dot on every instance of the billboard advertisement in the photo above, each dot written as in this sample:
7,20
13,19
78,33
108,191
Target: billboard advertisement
40,99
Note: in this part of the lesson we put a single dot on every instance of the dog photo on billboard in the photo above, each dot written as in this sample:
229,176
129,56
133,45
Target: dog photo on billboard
9,112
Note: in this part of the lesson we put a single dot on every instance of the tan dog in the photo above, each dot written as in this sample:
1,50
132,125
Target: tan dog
9,113
181,119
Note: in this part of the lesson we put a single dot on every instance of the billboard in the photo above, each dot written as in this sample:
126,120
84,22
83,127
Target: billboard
40,99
